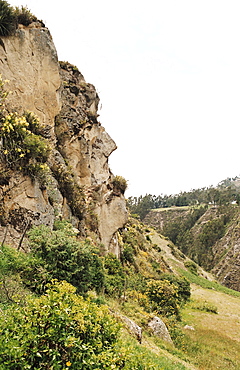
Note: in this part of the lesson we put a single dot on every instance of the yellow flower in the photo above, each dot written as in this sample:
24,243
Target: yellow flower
68,363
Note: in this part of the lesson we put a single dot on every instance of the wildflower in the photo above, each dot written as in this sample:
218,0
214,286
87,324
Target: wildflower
68,363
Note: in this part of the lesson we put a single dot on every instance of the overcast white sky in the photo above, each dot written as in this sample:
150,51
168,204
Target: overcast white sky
168,76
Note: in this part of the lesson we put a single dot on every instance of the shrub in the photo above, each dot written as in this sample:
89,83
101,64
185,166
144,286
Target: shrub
7,19
24,16
182,285
59,330
114,276
12,262
19,144
119,184
163,297
65,258
22,147
128,253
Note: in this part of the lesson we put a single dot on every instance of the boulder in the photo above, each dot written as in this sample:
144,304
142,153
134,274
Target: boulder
159,329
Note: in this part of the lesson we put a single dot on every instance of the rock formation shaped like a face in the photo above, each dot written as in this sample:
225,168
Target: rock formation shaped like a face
67,107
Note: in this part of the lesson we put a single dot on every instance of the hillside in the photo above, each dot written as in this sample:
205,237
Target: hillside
207,234
204,329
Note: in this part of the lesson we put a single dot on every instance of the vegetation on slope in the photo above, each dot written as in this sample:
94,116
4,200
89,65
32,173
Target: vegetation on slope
59,298
202,223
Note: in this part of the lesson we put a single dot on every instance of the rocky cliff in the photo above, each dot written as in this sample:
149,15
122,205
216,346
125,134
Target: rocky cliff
210,236
80,185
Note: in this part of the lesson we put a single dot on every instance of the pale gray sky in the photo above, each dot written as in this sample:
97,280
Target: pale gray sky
168,76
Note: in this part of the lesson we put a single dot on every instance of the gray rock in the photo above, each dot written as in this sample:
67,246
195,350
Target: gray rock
133,328
159,329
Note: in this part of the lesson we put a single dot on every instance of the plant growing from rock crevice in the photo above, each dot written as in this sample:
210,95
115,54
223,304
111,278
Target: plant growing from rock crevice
119,184
70,190
7,19
21,145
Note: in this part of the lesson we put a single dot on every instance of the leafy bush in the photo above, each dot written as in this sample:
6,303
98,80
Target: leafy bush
7,19
12,263
128,253
65,258
114,276
19,144
163,297
22,146
59,330
182,285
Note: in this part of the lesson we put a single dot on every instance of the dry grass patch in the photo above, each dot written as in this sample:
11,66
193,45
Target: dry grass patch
215,342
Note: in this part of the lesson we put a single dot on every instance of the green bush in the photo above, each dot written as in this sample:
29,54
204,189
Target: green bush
59,330
163,297
8,21
65,258
20,146
12,263
114,276
182,285
128,253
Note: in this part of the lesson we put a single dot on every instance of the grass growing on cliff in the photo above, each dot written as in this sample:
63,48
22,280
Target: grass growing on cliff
7,19
10,17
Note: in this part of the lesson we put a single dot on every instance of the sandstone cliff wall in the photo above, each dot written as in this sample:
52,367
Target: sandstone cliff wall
79,186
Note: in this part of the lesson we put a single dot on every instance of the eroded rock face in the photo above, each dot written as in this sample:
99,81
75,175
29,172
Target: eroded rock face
227,257
79,184
29,61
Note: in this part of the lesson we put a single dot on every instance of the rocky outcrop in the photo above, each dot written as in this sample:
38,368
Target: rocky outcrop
79,186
